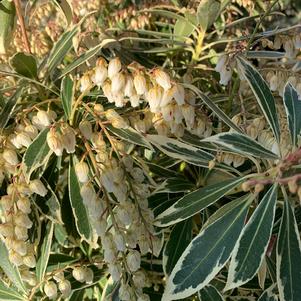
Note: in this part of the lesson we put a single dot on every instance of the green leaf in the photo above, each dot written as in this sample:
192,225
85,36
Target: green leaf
61,48
241,144
183,29
66,9
288,257
215,109
208,11
175,185
37,154
67,94
263,94
210,293
269,294
178,150
262,54
45,253
79,209
8,293
9,269
25,64
293,111
130,135
54,206
208,252
9,107
86,56
194,202
251,248
179,239
7,22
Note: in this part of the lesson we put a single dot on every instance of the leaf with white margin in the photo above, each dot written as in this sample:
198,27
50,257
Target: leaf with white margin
269,294
210,293
251,247
293,111
208,252
194,202
262,93
288,257
241,144
179,150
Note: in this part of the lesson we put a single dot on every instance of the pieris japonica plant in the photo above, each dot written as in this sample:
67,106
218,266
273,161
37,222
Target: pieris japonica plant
150,151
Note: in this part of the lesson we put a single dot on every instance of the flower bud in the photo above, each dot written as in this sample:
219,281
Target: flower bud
50,290
21,232
162,79
10,156
179,94
221,63
154,96
98,108
32,131
7,230
54,142
85,83
79,274
20,247
143,297
43,118
85,128
118,82
15,258
23,220
68,139
65,288
6,202
29,260
23,204
133,260
100,75
36,186
23,139
129,86
139,279
82,171
140,84
119,123
115,271
89,275
119,242
88,194
114,67
189,115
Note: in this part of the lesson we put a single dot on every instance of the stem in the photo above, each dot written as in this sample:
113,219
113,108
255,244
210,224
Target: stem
22,25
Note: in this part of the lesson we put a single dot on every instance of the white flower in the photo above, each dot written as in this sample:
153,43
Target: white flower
88,194
29,260
119,242
162,79
22,220
15,258
82,171
129,86
23,139
43,118
59,276
36,186
154,96
23,204
167,97
21,232
79,274
10,156
85,128
189,115
7,230
85,83
68,139
124,293
133,260
65,288
50,290
54,142
32,131
139,278
100,73
167,113
114,67
221,63
115,271
140,84
118,82
179,94
225,75
135,100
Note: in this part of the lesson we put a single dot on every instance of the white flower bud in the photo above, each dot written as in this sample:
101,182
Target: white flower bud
68,139
10,156
100,74
119,242
23,139
179,94
23,220
7,230
133,260
139,279
23,204
32,131
114,67
59,276
225,75
106,88
82,171
109,255
21,232
43,118
89,275
154,96
221,63
65,288
85,83
100,227
162,79
13,139
88,194
6,202
36,186
129,86
189,115
135,100
29,261
124,293
167,97
140,84
119,123
118,82
143,297
20,247
85,128
115,271
54,142
79,274
123,215
50,290
15,258
29,277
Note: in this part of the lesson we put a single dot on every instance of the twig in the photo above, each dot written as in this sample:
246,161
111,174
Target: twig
22,25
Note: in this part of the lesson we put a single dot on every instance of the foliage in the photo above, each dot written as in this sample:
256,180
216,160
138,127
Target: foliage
150,150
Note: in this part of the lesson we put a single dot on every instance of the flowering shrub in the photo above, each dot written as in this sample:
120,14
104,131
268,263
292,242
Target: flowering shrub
150,150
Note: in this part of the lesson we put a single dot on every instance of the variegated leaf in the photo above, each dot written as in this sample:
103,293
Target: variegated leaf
196,201
263,94
210,293
208,252
269,294
288,257
293,111
179,150
241,144
251,247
